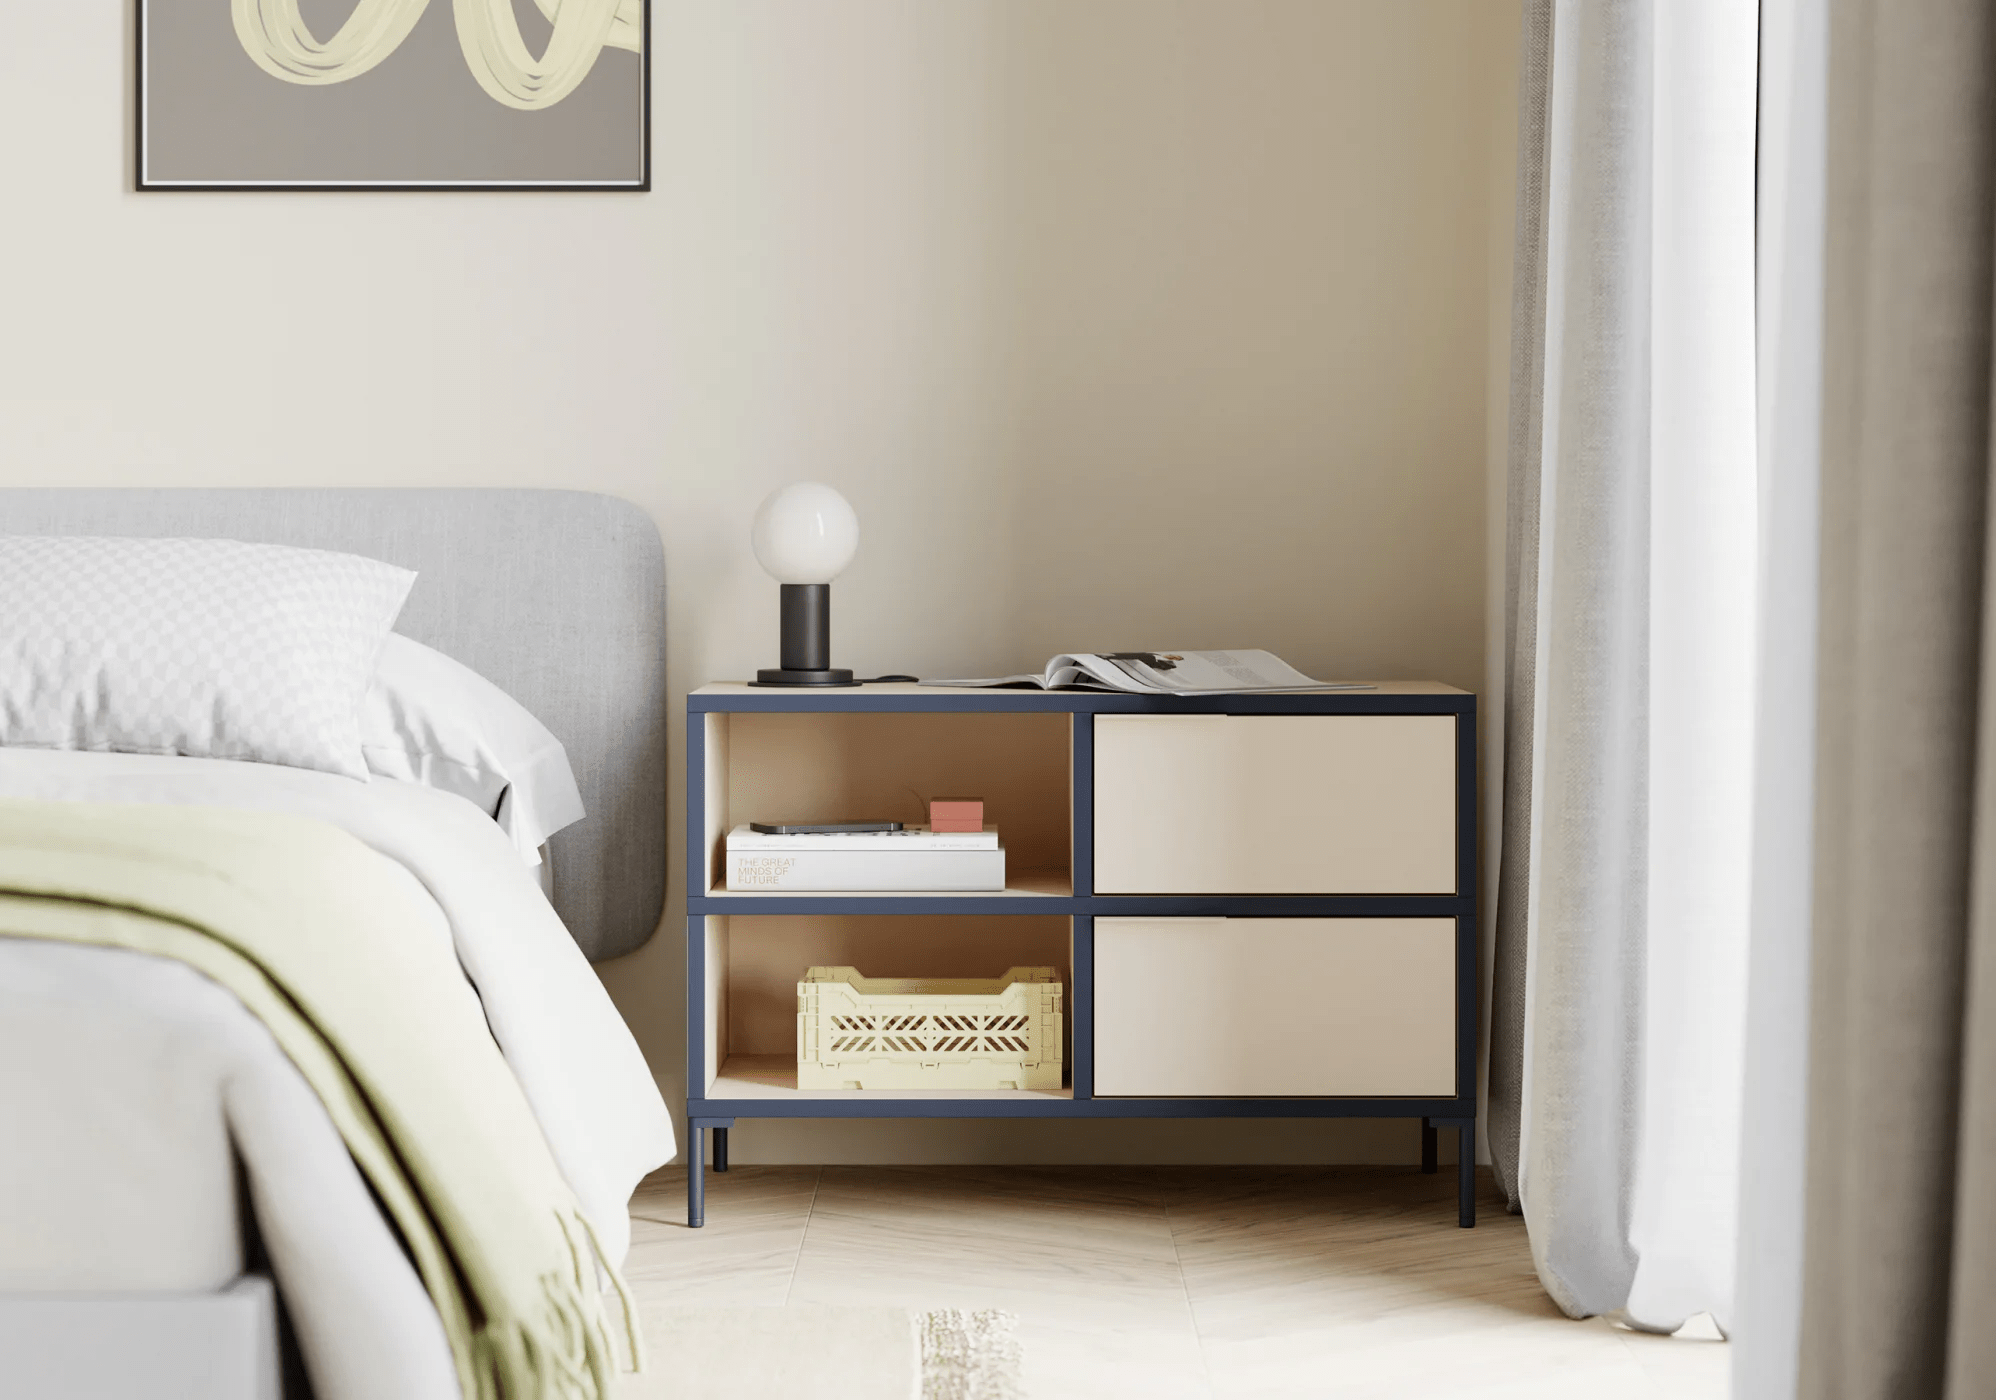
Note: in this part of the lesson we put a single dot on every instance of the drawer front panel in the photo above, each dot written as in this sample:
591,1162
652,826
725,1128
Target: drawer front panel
1291,1008
1275,804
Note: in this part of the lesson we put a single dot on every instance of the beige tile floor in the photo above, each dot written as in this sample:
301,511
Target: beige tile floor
1269,1282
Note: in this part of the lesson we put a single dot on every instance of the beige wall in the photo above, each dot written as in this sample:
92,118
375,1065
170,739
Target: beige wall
1121,322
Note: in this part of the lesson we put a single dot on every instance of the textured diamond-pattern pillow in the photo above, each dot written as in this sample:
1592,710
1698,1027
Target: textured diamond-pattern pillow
209,648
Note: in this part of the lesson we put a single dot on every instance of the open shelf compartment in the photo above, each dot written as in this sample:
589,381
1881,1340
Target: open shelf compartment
885,765
754,962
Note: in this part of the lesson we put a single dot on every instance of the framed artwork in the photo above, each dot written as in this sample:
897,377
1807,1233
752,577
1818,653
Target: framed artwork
394,94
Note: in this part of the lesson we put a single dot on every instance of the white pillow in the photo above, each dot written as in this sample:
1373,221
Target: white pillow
210,648
431,720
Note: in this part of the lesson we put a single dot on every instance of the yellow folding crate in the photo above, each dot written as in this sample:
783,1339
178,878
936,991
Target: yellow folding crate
857,1032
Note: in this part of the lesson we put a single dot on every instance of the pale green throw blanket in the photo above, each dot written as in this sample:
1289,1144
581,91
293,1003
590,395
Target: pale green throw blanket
335,948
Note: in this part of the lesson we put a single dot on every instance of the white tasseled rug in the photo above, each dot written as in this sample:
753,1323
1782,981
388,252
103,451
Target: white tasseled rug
827,1354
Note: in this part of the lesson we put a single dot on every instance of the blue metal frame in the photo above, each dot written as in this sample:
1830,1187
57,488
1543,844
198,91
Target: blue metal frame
1082,907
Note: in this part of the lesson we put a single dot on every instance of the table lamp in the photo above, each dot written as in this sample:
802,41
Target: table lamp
804,535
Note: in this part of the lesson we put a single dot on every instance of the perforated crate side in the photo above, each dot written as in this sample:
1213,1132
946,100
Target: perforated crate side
933,1040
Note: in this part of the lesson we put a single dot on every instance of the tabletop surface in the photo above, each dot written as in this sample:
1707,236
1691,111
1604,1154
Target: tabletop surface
987,693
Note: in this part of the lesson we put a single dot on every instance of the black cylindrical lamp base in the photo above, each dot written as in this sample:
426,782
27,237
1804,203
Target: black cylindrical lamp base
807,639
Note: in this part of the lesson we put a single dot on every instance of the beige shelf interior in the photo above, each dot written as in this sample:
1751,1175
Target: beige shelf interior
1052,884
876,765
775,1077
754,962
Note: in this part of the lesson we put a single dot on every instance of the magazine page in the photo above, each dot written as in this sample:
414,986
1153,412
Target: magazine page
1164,673
996,682
1075,671
1215,672
1088,671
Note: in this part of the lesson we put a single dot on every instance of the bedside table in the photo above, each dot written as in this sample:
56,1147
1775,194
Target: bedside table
1262,906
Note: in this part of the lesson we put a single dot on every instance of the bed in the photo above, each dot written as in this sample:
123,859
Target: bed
177,1209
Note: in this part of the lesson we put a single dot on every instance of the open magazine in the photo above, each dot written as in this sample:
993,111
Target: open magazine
1166,673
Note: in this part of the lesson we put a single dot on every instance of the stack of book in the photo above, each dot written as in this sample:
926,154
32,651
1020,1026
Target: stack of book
913,858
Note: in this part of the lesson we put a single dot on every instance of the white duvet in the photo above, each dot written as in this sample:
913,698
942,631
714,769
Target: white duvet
127,1084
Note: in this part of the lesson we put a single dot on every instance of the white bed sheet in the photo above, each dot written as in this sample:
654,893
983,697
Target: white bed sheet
131,1084
149,1080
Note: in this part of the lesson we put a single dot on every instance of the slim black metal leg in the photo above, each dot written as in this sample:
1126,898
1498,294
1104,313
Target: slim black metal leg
1431,1139
696,1184
720,1149
1465,1175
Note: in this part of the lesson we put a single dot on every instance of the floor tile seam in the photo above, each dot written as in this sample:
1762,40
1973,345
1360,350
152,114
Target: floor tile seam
803,1237
1041,1208
763,1220
936,1260
1135,1249
1627,1339
1058,1256
1363,1335
1198,1335
1130,1294
993,1207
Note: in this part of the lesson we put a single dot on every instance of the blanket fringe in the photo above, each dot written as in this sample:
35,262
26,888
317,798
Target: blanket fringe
633,1334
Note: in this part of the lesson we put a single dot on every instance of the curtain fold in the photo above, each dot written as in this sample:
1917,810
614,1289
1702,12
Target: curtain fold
1971,1345
1587,897
1618,1006
1789,276
1898,1260
1867,1265
1521,597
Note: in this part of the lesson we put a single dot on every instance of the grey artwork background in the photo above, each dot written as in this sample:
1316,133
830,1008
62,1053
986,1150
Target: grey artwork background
210,114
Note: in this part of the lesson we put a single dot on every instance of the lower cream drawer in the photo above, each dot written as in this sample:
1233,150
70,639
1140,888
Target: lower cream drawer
1277,1008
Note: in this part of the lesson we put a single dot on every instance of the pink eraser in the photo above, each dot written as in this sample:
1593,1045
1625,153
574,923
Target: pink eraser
956,814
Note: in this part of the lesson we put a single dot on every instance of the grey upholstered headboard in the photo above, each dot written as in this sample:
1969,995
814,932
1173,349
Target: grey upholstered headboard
558,597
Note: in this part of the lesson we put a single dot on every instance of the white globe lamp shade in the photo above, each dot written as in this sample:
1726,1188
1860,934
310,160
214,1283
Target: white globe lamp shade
805,533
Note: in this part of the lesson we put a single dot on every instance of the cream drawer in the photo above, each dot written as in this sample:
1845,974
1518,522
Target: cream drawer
1290,1008
1275,804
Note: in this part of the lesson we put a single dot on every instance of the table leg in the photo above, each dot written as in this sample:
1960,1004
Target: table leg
696,1184
1465,1170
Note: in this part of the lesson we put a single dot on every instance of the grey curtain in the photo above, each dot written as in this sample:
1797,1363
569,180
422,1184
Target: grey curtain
1591,866
1620,966
1899,1257
1521,597
1590,861
1788,238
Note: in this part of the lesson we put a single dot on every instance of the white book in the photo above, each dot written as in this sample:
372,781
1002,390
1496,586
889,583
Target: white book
914,838
851,871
